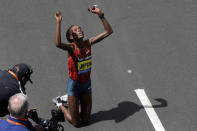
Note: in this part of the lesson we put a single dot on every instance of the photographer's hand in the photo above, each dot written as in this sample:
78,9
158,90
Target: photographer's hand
32,114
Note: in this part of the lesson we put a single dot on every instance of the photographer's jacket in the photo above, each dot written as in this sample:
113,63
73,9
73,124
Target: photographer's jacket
12,124
9,85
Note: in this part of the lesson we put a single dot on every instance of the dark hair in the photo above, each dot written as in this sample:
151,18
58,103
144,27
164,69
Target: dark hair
68,34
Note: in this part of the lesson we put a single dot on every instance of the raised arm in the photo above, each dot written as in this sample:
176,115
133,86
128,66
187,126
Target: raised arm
108,30
59,44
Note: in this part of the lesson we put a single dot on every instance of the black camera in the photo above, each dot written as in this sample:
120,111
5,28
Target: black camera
51,124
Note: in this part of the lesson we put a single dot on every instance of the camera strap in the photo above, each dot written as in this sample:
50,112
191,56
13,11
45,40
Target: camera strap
16,123
12,73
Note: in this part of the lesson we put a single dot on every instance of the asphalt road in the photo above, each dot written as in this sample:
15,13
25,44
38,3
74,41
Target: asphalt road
155,39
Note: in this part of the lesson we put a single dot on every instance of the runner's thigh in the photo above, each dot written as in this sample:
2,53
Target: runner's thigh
74,109
86,106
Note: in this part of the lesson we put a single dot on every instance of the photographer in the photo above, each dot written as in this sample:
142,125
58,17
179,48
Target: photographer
17,121
13,81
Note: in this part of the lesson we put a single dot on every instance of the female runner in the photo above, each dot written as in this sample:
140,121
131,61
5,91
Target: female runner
79,65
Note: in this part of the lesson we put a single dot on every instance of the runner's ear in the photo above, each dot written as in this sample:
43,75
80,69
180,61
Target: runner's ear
71,37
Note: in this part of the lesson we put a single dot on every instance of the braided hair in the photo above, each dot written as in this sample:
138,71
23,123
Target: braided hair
68,34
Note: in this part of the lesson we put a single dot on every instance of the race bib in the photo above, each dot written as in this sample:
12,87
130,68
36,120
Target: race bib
84,66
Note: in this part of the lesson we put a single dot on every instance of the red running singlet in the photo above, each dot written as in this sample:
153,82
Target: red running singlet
79,63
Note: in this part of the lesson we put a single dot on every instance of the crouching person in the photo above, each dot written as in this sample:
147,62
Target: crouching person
17,121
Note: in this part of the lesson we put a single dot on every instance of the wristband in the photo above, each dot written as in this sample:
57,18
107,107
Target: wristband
101,16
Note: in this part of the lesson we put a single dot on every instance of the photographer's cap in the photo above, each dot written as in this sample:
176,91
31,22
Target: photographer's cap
23,70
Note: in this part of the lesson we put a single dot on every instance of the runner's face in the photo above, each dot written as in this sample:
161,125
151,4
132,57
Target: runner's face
77,32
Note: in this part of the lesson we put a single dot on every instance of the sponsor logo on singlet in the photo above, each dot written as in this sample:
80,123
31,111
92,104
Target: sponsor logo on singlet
84,64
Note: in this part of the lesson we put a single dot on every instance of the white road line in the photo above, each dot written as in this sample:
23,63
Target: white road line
149,110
